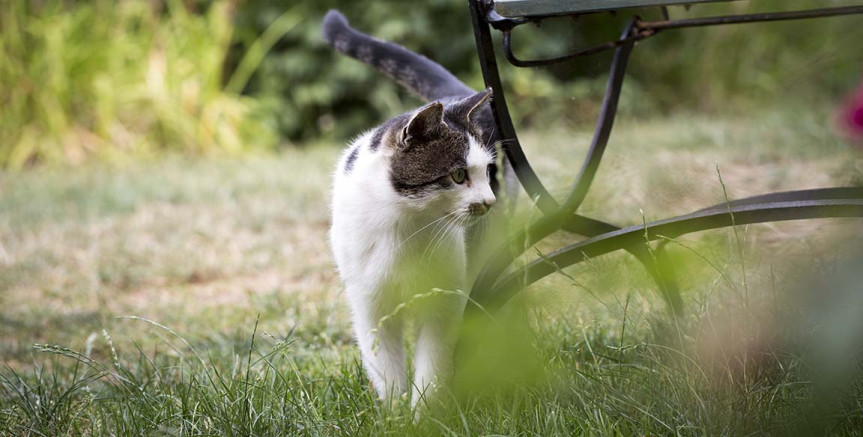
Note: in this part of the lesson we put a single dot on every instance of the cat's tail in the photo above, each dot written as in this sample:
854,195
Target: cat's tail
418,74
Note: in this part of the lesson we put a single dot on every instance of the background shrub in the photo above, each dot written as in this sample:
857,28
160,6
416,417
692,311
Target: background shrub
318,92
116,78
136,77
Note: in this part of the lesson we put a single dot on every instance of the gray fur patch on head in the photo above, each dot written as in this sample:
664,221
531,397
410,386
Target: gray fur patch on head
474,112
382,133
423,162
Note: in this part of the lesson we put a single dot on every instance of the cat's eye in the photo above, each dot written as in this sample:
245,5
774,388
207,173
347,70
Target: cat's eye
459,176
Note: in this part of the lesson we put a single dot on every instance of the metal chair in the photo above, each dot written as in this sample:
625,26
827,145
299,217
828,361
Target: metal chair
494,286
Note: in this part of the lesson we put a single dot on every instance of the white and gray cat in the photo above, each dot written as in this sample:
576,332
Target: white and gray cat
403,196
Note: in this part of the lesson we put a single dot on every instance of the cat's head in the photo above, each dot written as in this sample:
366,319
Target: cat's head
439,161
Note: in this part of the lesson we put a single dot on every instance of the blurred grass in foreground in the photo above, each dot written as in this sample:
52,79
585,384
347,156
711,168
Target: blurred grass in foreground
110,79
247,332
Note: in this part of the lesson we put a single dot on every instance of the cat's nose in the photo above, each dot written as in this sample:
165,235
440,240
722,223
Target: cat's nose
480,208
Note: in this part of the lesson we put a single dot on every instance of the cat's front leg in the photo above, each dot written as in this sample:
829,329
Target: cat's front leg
437,329
380,336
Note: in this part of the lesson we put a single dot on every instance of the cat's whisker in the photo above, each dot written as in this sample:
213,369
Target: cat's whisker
444,234
453,226
436,221
490,138
443,225
439,235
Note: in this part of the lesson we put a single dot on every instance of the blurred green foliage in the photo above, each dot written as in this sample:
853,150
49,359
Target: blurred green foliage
119,78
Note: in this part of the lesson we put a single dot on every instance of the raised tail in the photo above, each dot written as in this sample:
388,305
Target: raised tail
420,75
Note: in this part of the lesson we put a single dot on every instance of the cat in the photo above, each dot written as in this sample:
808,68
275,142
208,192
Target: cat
404,195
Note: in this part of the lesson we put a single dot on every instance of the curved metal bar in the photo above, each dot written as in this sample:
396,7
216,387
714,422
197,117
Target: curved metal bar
605,122
750,18
517,244
647,29
604,47
510,285
785,196
657,264
792,196
503,122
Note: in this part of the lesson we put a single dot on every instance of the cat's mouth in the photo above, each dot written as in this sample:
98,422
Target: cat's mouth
478,209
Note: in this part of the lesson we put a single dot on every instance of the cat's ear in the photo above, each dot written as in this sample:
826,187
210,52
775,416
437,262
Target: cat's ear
425,120
475,102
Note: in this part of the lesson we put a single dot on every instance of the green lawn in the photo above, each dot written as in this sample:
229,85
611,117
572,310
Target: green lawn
181,296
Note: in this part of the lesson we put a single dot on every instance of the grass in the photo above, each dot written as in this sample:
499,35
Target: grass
180,296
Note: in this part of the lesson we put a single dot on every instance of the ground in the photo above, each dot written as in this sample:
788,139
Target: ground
199,296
